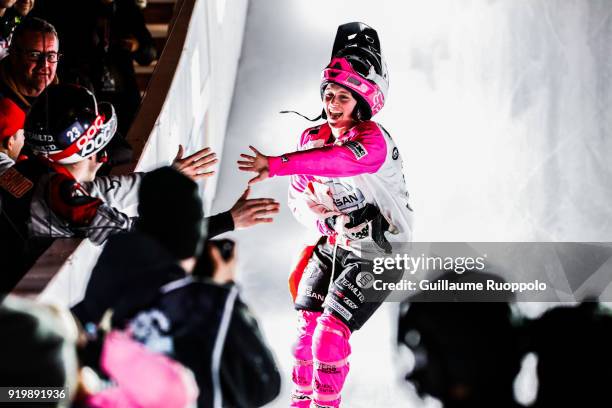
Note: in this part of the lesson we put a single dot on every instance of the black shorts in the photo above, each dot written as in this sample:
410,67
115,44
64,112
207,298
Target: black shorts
350,297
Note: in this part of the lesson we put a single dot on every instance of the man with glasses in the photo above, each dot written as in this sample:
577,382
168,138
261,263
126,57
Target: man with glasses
31,64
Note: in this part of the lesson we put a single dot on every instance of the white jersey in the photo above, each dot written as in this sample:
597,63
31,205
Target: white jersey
334,177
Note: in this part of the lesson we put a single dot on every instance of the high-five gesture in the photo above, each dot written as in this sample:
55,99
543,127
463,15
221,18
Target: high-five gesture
194,166
258,164
247,212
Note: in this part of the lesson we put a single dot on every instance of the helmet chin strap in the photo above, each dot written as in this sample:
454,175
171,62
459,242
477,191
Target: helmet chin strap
321,116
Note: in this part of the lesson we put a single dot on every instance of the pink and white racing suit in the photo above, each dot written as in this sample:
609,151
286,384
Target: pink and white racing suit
334,178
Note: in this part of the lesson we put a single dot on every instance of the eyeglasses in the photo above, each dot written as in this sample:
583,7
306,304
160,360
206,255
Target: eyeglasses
52,57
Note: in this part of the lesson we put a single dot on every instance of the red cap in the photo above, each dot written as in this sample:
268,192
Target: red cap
11,118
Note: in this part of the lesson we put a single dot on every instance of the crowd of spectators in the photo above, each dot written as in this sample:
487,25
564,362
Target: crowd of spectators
178,334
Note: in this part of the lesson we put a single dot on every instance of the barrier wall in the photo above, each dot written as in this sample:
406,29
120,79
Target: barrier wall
187,102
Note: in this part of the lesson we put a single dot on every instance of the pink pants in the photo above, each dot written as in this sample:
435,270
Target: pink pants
321,360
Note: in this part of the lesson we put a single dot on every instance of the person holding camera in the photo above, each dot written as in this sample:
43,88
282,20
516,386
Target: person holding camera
190,311
202,322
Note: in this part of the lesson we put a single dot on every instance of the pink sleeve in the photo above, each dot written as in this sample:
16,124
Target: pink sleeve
299,182
364,153
145,378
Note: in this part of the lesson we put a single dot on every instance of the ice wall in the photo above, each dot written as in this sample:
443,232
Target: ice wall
510,111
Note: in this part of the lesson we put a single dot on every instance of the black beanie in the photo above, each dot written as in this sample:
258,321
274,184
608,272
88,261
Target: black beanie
170,210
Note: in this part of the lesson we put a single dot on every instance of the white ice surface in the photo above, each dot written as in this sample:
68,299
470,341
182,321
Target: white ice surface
502,111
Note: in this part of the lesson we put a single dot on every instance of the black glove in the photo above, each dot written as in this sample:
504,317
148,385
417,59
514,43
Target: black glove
363,215
107,221
361,221
379,226
330,222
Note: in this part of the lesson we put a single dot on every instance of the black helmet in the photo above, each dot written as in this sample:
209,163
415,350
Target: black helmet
358,65
67,125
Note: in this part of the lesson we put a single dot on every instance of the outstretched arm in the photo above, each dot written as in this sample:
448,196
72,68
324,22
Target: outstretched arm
364,153
247,212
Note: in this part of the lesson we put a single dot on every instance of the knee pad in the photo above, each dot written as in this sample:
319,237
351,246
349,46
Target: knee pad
330,342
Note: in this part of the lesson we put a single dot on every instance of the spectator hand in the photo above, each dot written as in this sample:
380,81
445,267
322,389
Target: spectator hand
193,166
258,164
248,212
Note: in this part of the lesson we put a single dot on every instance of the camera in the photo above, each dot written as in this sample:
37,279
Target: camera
205,266
225,247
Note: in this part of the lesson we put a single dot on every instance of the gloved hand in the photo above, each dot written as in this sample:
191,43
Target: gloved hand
107,221
367,222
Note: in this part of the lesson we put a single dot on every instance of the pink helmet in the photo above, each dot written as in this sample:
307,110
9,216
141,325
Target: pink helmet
358,65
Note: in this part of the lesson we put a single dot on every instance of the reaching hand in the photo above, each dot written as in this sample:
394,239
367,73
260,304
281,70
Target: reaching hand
193,166
248,212
258,164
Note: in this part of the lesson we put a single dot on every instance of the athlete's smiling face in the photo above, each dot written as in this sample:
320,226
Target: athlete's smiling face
338,104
